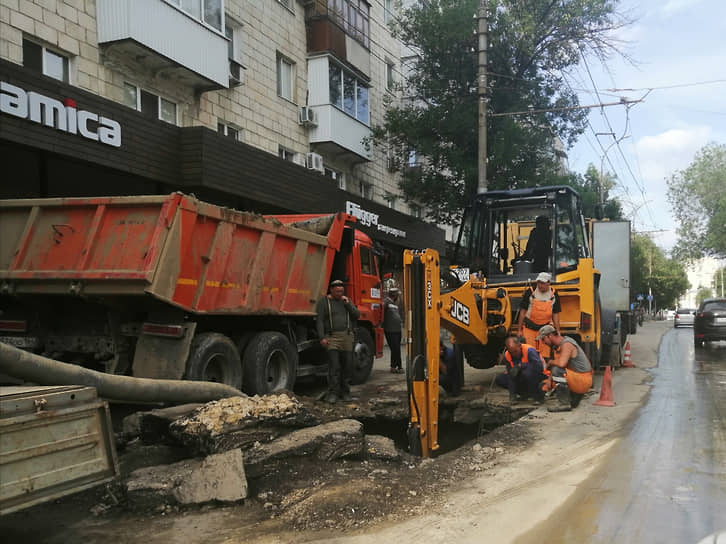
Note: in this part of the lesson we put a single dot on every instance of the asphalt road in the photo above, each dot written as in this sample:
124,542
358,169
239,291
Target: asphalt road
666,480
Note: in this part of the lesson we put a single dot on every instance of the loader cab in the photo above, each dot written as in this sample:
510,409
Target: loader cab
504,235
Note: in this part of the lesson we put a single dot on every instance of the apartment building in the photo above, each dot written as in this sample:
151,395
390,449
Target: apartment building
264,105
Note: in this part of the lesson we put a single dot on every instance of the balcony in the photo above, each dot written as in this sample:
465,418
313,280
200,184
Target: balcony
164,40
339,134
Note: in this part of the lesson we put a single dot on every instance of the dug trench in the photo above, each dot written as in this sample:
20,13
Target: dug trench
350,475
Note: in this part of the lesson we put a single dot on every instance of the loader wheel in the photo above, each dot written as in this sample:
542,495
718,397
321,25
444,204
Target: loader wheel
270,364
483,356
363,352
214,358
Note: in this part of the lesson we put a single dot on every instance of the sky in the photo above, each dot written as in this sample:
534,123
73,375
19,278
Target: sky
678,44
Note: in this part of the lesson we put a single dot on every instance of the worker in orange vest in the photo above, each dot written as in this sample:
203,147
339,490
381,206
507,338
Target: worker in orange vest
539,307
524,375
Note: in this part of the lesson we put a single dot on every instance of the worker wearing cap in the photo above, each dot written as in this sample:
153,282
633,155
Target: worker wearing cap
571,369
539,307
524,373
336,317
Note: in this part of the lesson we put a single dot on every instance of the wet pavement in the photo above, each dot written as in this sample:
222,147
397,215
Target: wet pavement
666,480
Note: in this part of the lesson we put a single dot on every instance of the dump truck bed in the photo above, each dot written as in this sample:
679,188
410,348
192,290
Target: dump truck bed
197,256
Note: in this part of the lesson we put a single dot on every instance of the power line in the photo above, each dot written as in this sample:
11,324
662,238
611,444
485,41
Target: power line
568,108
673,86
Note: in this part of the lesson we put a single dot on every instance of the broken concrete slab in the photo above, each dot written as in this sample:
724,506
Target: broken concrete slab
329,441
381,447
240,422
218,477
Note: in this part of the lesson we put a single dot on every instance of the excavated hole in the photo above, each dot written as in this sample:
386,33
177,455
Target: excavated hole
452,435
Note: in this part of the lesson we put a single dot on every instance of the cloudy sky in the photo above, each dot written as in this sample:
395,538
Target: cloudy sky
680,50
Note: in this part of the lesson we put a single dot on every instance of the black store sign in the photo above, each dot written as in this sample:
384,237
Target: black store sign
88,128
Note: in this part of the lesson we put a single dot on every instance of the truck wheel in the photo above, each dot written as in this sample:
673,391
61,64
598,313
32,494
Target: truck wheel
214,358
363,352
270,364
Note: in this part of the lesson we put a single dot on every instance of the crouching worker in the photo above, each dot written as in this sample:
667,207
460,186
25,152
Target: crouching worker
524,372
570,367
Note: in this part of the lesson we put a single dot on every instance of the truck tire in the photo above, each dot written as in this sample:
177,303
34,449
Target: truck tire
363,352
270,364
214,358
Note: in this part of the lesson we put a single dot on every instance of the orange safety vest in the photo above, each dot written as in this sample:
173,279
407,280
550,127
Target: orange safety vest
525,350
541,310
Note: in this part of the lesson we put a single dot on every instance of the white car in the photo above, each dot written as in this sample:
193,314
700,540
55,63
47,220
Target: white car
684,316
670,314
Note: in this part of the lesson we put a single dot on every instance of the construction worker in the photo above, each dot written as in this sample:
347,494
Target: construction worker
524,375
539,245
571,369
539,307
336,316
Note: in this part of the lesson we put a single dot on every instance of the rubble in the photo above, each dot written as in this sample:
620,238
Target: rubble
218,477
381,447
240,422
325,442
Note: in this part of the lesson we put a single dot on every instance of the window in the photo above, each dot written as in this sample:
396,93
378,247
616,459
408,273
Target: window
47,62
206,11
412,159
391,200
353,16
229,131
348,93
336,176
285,78
390,80
286,154
286,3
387,11
416,211
232,32
367,262
366,190
150,104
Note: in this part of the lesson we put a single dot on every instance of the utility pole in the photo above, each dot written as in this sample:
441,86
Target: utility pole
482,34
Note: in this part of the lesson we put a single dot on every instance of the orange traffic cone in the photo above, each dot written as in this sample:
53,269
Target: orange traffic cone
627,363
606,391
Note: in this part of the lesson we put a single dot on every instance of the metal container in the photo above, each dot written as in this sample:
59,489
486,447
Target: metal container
54,441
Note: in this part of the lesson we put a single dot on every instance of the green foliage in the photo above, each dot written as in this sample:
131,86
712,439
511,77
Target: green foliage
698,198
651,268
531,42
702,294
588,186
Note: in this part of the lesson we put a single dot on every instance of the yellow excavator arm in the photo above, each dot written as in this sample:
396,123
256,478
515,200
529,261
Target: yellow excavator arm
471,313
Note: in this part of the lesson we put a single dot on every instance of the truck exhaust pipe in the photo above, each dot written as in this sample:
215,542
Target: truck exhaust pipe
43,371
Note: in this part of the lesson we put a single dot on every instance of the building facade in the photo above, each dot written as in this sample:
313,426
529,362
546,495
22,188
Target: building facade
263,105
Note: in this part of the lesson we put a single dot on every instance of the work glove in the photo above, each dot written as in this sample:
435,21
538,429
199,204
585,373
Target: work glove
514,371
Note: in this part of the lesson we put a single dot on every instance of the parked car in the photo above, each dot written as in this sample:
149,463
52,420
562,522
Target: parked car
670,314
710,321
684,316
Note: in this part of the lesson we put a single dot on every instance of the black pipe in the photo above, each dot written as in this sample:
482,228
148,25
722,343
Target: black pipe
43,371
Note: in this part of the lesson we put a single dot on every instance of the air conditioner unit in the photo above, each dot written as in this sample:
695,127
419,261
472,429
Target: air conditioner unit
235,73
315,162
308,117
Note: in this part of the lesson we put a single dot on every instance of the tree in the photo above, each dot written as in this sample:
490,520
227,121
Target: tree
588,186
531,43
651,271
698,198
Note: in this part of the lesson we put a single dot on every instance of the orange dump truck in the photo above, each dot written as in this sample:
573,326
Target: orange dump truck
172,287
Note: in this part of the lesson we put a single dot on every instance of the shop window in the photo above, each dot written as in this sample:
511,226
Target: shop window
150,104
41,59
348,93
230,131
285,77
206,11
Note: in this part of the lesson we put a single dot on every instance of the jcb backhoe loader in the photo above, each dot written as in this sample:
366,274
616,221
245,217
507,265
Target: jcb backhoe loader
477,298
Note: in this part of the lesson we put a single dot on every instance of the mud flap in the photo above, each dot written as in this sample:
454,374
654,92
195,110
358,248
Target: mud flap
161,357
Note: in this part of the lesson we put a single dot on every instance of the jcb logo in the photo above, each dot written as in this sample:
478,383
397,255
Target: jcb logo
459,311
429,296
